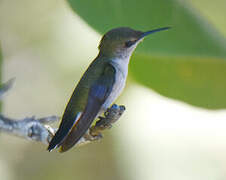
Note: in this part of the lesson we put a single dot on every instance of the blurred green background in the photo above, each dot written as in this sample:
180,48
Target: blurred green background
174,125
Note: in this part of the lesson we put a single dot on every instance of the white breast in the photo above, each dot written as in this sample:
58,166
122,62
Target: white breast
121,67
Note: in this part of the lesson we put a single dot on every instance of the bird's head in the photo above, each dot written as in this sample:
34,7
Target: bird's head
121,42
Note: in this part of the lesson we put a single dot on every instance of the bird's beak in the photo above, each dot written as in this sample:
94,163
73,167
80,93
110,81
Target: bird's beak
153,31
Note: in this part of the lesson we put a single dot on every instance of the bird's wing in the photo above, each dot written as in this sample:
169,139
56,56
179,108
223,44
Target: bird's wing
98,93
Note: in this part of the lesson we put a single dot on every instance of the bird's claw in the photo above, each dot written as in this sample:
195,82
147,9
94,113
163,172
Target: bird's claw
110,116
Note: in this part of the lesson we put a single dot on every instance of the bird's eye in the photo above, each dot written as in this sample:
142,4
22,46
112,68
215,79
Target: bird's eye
129,43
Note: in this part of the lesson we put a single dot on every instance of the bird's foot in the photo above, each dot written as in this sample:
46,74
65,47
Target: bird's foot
110,116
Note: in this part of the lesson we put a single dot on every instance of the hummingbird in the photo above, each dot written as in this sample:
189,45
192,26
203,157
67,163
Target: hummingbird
100,85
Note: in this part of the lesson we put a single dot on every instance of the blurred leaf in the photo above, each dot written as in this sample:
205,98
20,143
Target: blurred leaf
214,11
190,35
0,73
197,81
0,64
187,62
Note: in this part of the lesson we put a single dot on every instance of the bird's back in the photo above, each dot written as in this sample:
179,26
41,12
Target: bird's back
77,102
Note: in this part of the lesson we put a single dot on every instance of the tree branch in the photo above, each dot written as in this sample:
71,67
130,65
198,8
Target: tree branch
29,128
36,129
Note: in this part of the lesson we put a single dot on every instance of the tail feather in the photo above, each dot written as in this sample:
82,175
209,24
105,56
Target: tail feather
62,133
82,125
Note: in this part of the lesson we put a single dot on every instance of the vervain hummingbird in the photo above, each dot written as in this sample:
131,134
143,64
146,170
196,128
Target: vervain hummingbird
99,86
